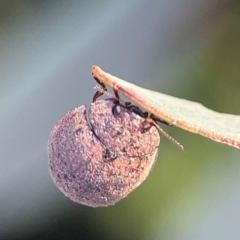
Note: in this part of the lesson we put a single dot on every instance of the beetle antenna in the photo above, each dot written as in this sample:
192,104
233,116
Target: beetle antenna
175,142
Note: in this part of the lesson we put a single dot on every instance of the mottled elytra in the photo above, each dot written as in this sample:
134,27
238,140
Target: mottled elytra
122,134
97,163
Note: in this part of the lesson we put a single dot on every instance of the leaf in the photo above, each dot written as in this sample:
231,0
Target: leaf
188,115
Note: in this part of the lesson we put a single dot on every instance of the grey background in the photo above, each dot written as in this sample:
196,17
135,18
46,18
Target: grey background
185,48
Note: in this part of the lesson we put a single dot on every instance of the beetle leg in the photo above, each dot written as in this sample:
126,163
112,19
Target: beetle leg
98,93
156,119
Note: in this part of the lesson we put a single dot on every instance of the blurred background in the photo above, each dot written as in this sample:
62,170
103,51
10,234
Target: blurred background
186,48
